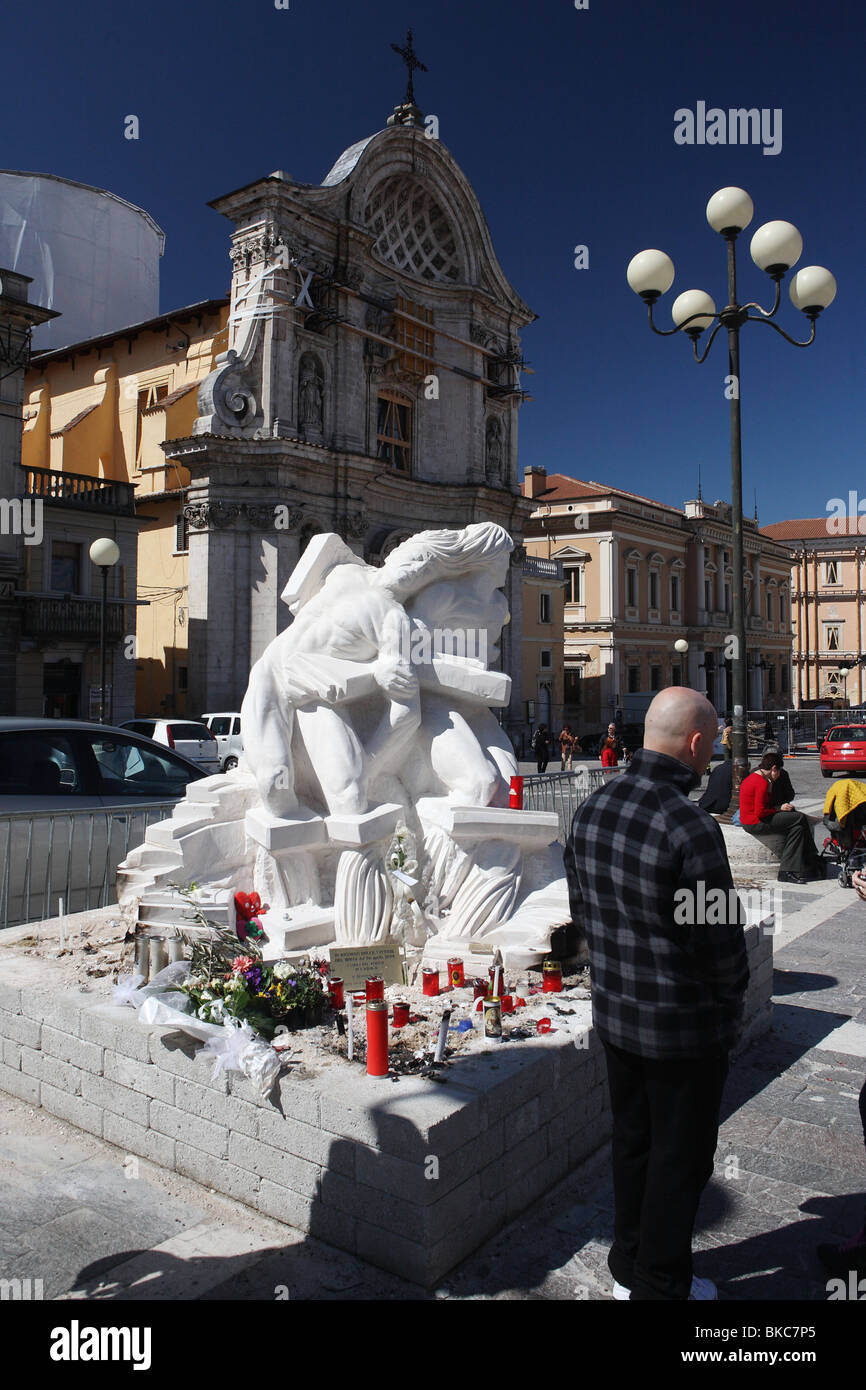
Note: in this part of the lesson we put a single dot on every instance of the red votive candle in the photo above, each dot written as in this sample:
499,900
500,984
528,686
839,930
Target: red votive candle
375,987
507,1004
430,980
479,988
455,971
543,1025
335,989
492,976
552,976
515,794
377,1037
401,1013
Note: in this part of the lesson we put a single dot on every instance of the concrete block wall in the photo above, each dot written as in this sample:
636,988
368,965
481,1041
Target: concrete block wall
411,1176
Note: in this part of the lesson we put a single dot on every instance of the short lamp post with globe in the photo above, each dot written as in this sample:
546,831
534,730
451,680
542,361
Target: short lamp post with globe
104,553
775,248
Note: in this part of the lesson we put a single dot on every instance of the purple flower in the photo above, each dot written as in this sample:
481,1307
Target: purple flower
253,977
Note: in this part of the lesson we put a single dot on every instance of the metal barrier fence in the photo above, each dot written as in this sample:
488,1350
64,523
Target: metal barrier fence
73,855
799,730
564,791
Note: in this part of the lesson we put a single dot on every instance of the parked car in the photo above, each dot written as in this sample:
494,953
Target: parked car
75,797
191,740
226,729
843,749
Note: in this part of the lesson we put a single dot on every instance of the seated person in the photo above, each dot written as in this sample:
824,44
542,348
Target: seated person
800,858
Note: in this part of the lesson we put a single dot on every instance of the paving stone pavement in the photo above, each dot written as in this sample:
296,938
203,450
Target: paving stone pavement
790,1173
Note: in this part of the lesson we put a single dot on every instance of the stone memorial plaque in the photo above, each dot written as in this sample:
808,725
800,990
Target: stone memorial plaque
357,963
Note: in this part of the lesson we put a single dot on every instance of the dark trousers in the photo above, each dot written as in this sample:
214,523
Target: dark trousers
665,1131
541,764
799,854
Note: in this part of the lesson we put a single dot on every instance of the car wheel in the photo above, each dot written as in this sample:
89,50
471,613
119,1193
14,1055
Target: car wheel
229,764
824,773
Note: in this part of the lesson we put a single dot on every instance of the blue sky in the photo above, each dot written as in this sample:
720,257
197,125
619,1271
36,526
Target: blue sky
563,120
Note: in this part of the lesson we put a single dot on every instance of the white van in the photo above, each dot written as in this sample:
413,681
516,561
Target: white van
226,729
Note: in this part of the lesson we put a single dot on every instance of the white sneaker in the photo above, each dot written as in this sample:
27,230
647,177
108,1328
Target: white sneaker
703,1290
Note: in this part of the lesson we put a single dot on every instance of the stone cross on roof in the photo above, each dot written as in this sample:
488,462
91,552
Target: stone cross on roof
412,61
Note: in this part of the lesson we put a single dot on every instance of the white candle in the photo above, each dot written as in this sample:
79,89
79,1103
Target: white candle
350,1005
497,972
443,1036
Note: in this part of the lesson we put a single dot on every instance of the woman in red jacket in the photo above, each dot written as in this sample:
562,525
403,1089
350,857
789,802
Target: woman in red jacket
608,753
800,858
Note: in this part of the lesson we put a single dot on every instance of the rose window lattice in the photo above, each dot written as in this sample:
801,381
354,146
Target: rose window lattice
412,231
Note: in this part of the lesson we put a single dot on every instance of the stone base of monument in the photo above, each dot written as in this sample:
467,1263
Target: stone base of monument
410,1174
752,856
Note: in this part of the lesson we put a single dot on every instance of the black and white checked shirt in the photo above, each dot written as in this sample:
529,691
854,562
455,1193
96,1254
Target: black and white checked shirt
659,988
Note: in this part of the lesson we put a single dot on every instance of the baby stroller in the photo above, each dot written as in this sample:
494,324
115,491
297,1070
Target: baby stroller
846,843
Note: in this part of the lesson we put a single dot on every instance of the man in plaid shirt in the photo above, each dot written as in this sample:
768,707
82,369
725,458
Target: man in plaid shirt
642,861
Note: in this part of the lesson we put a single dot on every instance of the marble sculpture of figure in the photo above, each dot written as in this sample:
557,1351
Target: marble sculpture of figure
343,675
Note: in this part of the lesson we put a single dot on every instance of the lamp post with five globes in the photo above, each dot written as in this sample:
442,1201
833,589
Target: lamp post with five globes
775,248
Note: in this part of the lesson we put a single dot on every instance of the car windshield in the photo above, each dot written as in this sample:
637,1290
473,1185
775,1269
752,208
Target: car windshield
189,731
856,733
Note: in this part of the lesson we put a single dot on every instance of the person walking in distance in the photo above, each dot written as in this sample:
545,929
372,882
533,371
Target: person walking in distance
608,753
567,741
613,736
541,747
667,987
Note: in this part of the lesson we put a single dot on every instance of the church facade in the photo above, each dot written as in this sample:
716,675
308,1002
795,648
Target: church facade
370,386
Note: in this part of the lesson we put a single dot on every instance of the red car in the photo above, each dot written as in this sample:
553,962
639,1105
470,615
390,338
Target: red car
843,749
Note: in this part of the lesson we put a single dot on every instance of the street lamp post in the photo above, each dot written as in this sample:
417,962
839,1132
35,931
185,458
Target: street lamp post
775,248
104,553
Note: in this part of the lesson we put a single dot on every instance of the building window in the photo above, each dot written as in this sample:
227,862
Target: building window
831,572
831,637
654,589
148,397
633,680
394,432
655,678
631,588
181,534
771,679
782,611
546,659
544,615
708,595
573,582
414,337
769,606
675,593
66,567
182,679
727,598
784,677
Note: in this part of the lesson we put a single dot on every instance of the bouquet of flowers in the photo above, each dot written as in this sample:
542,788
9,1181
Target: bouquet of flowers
265,996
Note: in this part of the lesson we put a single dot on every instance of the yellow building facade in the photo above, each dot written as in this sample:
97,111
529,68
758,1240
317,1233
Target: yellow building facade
102,409
641,576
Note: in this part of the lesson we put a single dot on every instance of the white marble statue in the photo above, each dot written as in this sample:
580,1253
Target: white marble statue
369,718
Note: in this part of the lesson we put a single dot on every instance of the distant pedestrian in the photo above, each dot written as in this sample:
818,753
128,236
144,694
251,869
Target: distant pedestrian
608,753
619,747
801,861
667,991
541,747
728,738
567,741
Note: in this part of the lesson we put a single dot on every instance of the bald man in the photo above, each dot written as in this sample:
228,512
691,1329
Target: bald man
668,977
